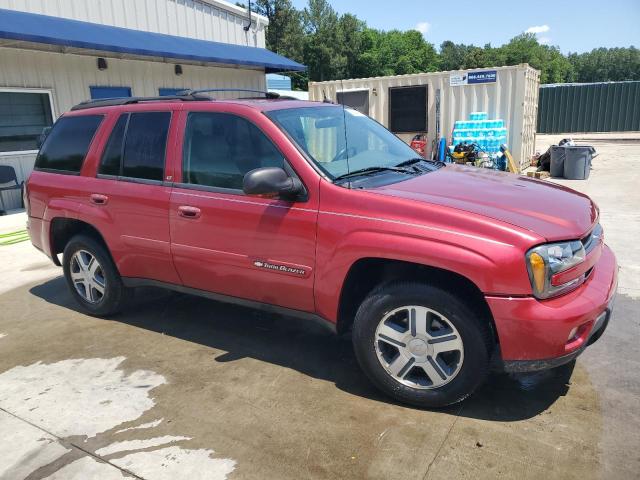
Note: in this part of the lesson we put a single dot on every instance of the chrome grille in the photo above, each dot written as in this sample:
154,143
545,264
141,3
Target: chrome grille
593,239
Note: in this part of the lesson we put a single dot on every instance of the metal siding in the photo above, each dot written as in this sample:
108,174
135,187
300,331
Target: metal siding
199,19
513,97
590,107
70,76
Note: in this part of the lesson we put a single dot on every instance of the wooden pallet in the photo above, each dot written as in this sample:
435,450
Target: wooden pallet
540,175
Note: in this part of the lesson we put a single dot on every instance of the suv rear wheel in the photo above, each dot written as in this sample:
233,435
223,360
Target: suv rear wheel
92,277
420,344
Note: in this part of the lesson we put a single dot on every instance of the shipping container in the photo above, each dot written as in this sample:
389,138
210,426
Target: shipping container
406,104
589,107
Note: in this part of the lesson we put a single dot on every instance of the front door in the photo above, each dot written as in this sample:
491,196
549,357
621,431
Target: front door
223,241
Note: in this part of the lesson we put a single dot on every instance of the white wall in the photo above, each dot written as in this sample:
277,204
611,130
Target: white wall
69,77
214,20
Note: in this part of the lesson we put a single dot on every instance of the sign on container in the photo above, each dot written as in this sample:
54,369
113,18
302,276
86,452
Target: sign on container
471,78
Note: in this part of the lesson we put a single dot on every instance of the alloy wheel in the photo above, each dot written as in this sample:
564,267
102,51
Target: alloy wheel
87,276
419,347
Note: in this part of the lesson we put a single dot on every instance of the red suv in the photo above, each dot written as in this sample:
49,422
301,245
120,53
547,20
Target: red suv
319,212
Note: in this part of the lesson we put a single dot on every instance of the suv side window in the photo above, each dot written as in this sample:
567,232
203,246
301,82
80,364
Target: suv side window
220,148
145,145
137,146
68,143
112,156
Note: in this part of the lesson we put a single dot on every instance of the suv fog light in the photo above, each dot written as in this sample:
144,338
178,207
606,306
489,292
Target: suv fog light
572,334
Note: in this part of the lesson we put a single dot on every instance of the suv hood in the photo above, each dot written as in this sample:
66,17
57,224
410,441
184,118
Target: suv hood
551,211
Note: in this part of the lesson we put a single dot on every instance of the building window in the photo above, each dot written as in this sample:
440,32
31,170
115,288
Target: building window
98,93
408,109
23,116
356,99
168,92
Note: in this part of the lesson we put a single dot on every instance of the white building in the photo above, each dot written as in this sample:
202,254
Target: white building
55,54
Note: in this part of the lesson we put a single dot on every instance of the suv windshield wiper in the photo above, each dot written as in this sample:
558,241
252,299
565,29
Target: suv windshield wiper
364,171
413,161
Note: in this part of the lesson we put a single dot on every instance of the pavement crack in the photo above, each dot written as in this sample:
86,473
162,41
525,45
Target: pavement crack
457,416
73,445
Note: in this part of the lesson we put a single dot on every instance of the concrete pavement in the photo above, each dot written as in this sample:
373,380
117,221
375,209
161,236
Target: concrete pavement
183,387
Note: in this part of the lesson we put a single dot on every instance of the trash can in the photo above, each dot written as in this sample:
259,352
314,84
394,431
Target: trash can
577,162
558,155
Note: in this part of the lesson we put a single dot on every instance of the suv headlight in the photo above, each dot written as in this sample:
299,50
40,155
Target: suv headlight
545,261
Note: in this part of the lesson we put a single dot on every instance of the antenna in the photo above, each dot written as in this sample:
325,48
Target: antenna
344,119
248,26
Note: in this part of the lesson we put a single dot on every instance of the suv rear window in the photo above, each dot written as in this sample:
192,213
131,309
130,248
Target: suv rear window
68,143
144,136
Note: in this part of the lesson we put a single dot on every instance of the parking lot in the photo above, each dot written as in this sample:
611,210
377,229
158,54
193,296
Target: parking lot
184,387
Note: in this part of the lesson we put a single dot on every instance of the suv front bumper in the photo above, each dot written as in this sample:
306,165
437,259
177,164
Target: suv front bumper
534,334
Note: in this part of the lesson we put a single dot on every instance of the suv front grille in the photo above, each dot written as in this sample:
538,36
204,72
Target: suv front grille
593,239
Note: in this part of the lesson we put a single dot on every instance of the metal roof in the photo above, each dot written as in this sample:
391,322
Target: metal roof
44,29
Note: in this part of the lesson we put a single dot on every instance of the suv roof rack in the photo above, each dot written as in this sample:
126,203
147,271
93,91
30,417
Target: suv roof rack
267,94
109,102
184,96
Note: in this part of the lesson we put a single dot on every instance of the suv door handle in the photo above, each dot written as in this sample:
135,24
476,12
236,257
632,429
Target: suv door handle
189,212
98,199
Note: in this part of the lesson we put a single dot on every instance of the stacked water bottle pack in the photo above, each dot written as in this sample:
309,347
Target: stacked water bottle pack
487,134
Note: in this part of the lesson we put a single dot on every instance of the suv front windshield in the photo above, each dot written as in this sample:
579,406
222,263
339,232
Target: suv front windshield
341,140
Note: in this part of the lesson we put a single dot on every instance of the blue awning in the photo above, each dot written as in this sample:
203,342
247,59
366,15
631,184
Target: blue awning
43,29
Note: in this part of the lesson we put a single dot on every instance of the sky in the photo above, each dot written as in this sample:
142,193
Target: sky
572,25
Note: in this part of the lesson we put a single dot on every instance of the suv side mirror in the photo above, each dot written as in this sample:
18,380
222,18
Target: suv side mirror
271,181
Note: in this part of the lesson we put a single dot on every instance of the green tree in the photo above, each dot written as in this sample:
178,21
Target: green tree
321,49
395,53
606,64
524,48
284,34
350,35
335,47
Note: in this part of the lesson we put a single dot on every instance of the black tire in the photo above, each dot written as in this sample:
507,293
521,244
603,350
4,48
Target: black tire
115,293
474,332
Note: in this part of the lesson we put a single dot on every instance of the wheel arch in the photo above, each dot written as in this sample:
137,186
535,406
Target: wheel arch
63,229
367,273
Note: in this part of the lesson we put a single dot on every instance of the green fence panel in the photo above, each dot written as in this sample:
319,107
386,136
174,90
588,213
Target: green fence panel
589,107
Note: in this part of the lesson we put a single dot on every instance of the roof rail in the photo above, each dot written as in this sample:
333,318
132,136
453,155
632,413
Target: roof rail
109,102
184,96
209,90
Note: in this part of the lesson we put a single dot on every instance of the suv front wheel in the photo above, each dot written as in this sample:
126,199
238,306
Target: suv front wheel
420,344
92,277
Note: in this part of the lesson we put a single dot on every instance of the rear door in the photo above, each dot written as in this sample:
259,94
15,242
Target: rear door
223,241
130,197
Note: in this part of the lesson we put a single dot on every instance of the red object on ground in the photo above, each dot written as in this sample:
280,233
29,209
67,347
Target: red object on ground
419,144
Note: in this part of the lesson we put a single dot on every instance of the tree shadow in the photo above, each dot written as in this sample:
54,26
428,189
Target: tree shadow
307,348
